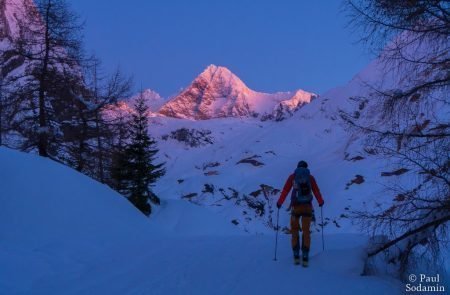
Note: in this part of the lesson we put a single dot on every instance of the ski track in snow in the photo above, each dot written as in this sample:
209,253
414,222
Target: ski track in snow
221,265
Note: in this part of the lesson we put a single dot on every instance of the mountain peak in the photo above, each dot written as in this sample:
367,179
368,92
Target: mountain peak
217,92
220,76
213,69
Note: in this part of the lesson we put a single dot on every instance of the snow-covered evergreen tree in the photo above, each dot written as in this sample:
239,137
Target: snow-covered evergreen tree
135,169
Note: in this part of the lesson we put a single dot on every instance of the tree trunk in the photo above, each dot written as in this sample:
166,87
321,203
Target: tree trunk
82,144
1,108
101,174
43,127
434,223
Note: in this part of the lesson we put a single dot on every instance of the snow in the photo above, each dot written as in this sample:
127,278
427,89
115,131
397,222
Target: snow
218,93
153,100
184,219
307,136
13,11
63,233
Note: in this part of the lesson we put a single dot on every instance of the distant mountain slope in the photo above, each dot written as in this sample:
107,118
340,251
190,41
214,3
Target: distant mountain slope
218,93
11,13
153,100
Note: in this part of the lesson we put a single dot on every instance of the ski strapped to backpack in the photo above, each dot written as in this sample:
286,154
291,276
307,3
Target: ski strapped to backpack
302,186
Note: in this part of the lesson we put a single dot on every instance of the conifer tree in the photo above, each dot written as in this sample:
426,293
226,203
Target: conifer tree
135,169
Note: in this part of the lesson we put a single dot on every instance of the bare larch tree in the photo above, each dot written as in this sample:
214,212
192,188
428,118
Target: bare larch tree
412,126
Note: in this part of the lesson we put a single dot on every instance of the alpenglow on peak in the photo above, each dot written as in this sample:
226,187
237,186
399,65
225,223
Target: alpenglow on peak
218,93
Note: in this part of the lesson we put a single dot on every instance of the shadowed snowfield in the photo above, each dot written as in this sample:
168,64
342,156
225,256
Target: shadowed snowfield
62,233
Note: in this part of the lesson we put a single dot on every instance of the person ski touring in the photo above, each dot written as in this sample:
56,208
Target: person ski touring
304,186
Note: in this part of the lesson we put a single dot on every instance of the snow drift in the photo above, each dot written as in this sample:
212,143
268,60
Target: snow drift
55,221
63,233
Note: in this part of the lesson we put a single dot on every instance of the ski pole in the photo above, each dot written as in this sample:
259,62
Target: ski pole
321,216
276,235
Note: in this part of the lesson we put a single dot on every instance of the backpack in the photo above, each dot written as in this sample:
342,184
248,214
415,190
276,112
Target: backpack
302,186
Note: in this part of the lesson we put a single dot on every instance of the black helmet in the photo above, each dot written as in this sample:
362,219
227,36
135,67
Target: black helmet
302,164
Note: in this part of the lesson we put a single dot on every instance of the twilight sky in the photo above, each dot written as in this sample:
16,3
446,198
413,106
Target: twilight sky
271,45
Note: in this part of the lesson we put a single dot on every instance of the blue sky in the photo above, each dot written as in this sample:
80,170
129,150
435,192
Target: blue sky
271,45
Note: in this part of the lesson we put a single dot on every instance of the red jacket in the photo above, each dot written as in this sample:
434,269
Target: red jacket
288,186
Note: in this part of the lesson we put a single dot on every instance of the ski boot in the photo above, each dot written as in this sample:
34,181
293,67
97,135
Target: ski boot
305,259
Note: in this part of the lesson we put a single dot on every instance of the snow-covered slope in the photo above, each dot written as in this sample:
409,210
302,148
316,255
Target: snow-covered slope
218,93
222,163
36,191
63,233
11,12
153,100
225,163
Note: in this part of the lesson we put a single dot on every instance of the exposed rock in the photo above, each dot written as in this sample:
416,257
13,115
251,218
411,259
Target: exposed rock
234,193
189,196
251,160
357,180
357,158
210,165
211,173
287,108
192,137
255,193
266,190
354,159
208,188
395,173
257,205
336,223
269,190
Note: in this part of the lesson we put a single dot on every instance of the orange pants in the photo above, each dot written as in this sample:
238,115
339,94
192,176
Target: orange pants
305,212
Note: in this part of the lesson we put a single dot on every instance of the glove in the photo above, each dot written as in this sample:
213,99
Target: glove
278,205
321,204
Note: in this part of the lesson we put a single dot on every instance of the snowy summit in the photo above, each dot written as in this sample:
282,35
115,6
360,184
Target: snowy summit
218,93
